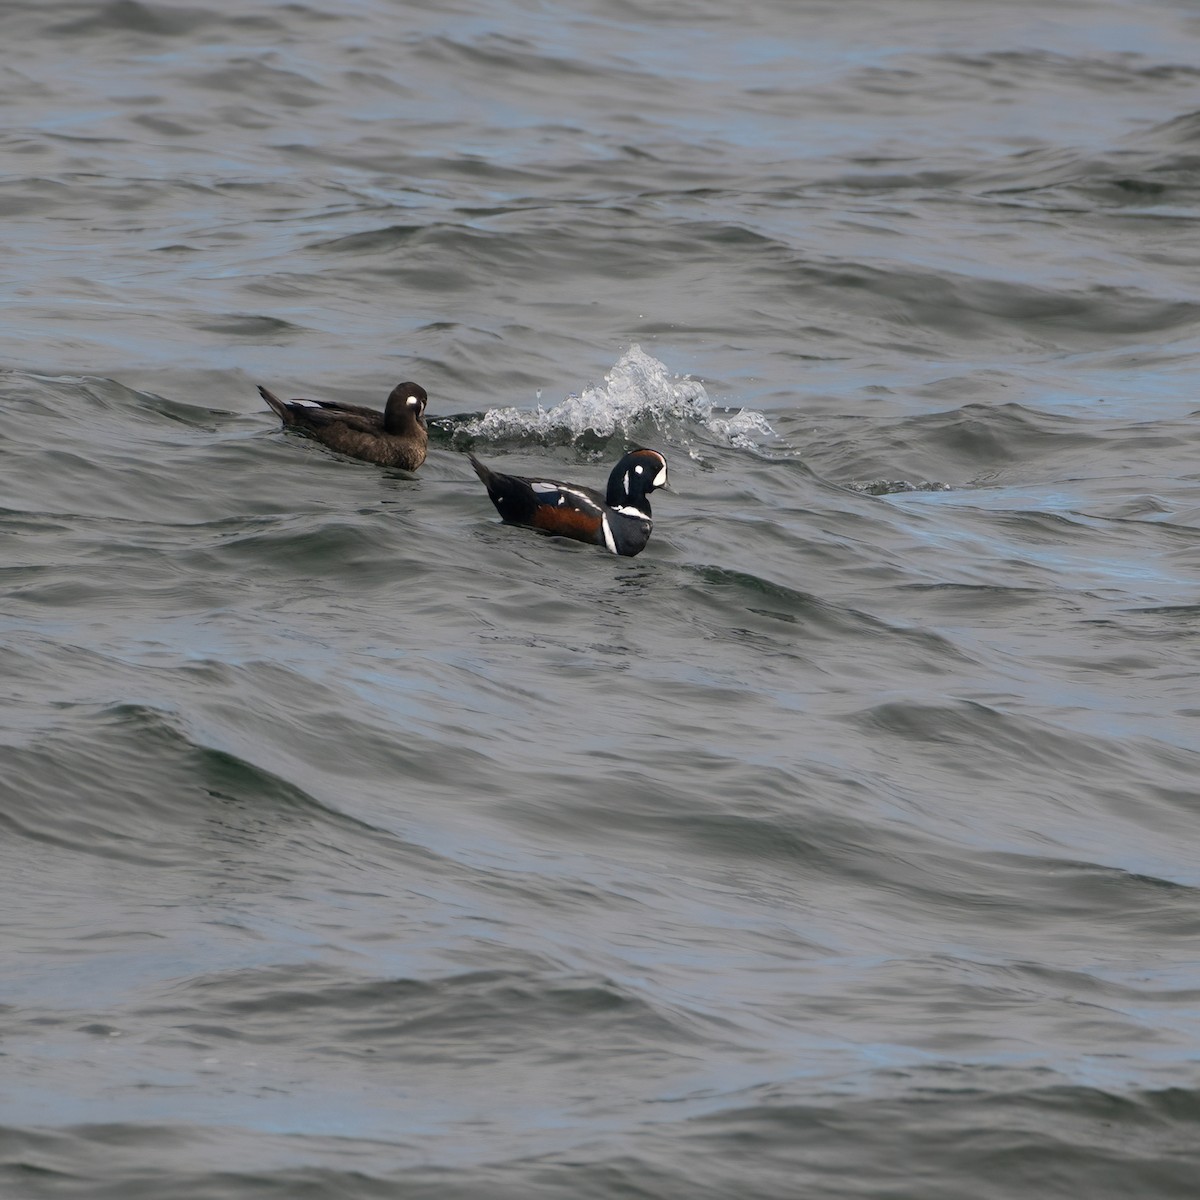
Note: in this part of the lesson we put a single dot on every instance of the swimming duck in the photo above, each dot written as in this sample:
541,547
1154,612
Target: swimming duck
396,437
618,520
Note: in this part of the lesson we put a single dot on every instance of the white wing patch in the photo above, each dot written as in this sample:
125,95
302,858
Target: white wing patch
546,490
306,403
581,499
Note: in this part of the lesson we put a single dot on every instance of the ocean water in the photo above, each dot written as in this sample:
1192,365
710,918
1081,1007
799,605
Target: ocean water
844,844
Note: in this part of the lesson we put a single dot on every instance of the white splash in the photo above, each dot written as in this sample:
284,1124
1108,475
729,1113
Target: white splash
638,388
745,429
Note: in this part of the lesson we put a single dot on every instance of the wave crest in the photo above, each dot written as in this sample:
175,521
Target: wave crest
637,390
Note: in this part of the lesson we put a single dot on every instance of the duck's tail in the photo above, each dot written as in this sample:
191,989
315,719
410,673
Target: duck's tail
483,472
277,404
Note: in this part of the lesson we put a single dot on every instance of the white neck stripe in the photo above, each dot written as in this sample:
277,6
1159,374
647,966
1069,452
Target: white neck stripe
627,510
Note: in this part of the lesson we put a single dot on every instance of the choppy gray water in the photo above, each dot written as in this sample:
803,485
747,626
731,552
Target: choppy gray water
846,843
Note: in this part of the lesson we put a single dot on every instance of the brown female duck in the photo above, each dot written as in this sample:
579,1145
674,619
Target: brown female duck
396,437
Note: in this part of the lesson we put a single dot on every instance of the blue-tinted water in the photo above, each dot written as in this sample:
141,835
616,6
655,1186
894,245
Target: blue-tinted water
843,844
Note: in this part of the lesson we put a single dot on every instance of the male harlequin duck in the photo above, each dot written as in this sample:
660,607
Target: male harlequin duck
396,437
619,520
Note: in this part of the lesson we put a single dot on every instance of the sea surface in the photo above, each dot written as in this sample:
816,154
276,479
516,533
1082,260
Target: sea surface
844,845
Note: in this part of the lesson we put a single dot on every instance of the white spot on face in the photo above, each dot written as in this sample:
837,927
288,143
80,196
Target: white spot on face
638,470
412,401
609,540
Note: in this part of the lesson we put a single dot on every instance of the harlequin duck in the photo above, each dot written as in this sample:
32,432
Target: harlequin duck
395,437
619,520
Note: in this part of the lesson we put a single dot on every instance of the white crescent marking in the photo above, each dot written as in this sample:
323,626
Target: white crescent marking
609,540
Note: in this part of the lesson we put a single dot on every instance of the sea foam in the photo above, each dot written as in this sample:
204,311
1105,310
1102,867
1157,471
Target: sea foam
638,389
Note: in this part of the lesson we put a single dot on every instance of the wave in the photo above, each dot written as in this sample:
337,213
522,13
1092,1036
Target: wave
638,392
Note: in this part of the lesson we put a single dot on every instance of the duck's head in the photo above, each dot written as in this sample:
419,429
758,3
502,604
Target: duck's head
406,399
634,478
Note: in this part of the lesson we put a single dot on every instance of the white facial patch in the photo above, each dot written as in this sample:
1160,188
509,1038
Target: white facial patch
661,478
639,470
625,482
609,540
413,401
